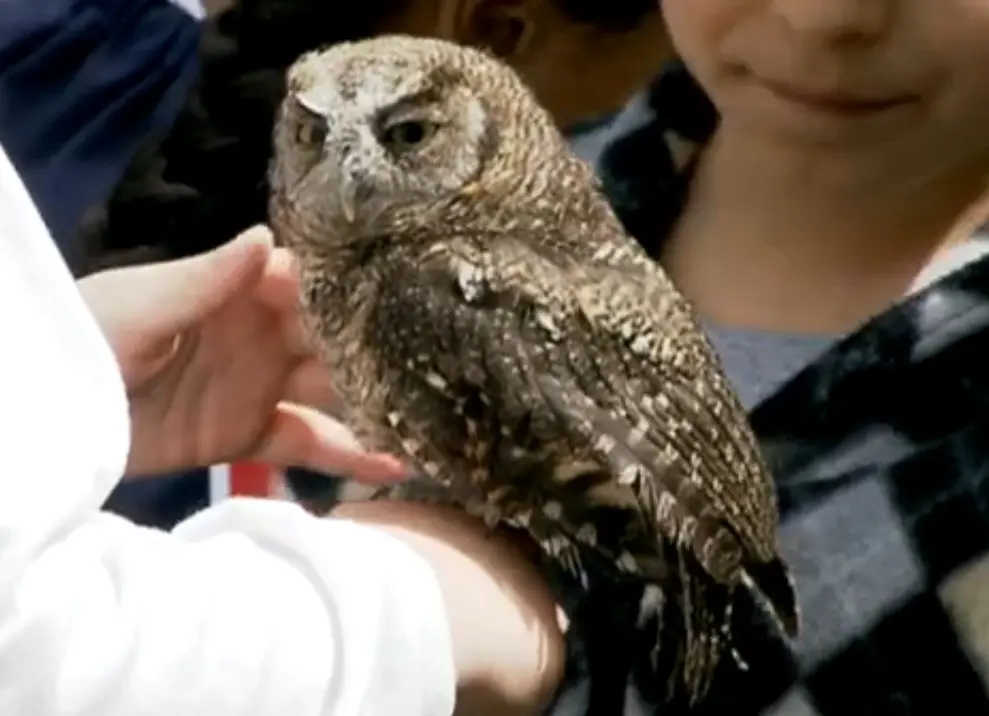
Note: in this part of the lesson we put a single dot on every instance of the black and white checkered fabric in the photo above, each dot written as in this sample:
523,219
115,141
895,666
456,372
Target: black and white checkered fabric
881,454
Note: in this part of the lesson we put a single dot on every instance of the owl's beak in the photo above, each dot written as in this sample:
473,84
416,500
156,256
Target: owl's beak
347,191
347,207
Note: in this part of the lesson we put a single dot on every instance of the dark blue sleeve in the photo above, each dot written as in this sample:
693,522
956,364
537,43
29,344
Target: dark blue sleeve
83,84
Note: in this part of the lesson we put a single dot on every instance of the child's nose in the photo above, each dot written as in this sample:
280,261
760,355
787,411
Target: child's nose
838,20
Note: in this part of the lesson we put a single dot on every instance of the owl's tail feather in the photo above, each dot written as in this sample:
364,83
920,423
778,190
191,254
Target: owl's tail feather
774,582
682,634
706,608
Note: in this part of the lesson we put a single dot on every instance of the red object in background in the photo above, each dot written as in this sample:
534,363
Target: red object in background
245,479
252,479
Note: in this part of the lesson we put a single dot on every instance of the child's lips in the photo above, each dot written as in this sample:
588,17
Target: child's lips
835,102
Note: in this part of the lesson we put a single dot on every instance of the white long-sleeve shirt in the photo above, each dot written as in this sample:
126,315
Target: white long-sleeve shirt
251,608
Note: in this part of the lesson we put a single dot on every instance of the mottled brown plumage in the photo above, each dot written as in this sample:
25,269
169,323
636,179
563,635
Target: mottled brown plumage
487,316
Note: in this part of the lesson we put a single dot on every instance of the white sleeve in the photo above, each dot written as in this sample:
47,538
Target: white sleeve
249,608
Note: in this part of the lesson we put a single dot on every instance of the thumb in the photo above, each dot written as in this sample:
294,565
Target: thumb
177,295
160,300
142,309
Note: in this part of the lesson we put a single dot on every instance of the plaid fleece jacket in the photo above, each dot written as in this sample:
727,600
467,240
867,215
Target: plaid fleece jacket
881,455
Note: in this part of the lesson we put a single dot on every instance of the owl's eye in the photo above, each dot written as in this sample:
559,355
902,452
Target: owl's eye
310,130
410,134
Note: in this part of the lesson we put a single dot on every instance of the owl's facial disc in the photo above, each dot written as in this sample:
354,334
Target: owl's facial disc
378,146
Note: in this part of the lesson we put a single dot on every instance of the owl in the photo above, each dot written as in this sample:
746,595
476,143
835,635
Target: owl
486,316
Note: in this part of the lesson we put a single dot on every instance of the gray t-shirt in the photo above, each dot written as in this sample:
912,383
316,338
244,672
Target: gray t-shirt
758,363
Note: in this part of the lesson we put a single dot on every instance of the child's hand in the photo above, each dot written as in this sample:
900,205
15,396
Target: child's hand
216,365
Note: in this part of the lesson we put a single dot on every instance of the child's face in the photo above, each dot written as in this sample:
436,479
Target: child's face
888,84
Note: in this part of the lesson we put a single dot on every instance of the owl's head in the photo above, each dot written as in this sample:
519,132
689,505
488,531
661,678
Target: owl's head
376,133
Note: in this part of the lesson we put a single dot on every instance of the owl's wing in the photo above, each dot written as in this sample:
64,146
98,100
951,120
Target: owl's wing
579,373
695,415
